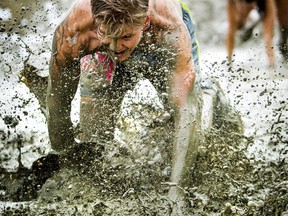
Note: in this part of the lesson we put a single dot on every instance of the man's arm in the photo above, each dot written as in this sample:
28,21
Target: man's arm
187,127
62,86
184,95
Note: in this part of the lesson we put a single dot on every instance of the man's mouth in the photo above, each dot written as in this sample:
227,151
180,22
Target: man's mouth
119,53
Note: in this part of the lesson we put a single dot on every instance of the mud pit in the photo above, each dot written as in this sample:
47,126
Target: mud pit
101,179
231,177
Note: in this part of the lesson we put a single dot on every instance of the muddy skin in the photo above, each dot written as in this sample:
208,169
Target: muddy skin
225,181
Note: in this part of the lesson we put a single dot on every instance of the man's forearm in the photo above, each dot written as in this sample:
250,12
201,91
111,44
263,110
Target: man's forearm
185,144
60,127
62,86
181,143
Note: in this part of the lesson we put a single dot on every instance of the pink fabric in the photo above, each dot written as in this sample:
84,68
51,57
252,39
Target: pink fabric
101,60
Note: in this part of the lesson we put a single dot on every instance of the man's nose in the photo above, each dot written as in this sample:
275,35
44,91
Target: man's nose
113,43
106,41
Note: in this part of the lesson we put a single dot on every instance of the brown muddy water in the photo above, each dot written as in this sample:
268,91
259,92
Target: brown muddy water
241,166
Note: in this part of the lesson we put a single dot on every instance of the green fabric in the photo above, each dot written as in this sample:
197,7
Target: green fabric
185,7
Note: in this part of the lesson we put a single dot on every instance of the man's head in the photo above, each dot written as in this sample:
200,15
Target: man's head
119,24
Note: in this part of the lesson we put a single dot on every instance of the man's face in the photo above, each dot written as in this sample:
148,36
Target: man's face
122,45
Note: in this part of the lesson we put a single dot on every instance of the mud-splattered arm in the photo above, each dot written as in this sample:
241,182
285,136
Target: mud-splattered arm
168,15
62,86
185,101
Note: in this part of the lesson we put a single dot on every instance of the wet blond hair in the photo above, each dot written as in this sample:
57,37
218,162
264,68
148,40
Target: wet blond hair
116,15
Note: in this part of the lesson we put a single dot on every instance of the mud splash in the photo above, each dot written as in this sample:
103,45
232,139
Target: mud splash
104,179
225,181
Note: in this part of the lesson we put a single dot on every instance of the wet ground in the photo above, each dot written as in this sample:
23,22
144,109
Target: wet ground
241,165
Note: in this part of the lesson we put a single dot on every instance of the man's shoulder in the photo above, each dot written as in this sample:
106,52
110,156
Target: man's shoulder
80,16
165,12
83,6
77,31
160,6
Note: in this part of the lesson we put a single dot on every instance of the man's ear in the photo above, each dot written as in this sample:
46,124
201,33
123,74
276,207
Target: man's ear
147,23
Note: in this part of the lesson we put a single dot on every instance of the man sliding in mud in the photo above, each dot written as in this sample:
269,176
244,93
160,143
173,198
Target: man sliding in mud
106,46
